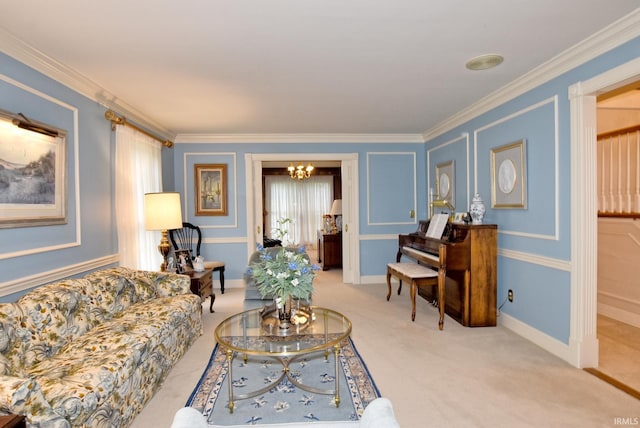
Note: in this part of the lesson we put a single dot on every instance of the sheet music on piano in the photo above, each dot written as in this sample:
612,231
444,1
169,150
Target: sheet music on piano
436,225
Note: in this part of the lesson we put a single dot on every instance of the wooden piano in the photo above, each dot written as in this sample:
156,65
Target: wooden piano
470,264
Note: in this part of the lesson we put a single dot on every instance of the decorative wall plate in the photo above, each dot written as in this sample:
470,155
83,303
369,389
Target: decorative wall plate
508,176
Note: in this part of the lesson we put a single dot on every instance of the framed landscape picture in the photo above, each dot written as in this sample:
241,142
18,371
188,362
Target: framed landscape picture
211,189
32,176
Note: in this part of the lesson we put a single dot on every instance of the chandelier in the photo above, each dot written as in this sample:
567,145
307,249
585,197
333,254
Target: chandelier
300,172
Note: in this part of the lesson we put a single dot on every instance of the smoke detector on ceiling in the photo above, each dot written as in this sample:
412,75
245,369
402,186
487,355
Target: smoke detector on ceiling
484,62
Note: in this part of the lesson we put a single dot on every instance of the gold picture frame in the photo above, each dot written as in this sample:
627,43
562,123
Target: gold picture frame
446,182
211,189
33,183
509,176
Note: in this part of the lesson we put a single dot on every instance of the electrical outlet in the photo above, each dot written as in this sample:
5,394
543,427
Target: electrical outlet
510,295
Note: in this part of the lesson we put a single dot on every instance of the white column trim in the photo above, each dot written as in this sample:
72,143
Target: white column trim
583,341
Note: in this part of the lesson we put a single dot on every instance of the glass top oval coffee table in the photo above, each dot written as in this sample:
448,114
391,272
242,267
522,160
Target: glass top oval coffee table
257,332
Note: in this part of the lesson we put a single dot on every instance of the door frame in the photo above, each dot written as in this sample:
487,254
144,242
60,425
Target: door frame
583,340
350,205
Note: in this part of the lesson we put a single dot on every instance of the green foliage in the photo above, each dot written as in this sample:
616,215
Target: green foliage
287,272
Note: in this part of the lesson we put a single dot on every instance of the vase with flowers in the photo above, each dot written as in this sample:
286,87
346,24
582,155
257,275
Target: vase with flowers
284,273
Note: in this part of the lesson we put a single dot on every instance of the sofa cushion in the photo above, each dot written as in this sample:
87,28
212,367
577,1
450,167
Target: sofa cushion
111,290
88,371
92,351
13,337
52,315
165,284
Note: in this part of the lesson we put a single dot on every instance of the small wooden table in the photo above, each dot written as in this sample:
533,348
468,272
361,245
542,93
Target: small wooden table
13,421
329,250
202,285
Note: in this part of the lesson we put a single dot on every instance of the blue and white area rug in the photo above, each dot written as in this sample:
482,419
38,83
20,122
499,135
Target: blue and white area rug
285,402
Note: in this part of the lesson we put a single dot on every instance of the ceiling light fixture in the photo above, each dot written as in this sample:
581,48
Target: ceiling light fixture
484,62
300,172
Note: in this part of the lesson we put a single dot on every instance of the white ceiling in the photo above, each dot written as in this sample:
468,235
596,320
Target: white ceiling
301,66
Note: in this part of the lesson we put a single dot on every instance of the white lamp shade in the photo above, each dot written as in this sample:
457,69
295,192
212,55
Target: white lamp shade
162,211
336,208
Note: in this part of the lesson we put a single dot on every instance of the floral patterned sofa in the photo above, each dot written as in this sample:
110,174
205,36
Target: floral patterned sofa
92,351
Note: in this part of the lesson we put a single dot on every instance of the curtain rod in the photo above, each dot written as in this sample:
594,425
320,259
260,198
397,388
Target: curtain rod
111,116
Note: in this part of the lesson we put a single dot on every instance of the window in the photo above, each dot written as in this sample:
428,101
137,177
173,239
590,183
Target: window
302,201
138,170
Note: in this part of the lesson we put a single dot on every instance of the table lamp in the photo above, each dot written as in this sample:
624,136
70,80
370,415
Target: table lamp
163,212
336,210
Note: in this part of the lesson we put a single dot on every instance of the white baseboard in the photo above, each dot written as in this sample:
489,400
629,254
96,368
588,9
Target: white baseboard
546,342
618,314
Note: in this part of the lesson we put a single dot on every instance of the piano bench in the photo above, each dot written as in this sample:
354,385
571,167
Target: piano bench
417,275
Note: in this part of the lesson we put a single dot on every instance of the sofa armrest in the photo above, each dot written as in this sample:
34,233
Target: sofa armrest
23,396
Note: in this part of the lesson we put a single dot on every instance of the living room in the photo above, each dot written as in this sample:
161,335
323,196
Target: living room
545,256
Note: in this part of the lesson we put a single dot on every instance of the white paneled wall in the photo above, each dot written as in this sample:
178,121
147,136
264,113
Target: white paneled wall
618,269
619,238
618,172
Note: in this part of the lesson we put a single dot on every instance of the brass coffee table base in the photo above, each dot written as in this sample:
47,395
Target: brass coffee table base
285,374
245,334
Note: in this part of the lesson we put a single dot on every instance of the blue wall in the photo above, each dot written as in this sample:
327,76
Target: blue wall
534,243
89,234
390,184
32,256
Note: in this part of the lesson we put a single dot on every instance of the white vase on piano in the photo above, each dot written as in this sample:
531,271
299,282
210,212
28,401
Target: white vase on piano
477,209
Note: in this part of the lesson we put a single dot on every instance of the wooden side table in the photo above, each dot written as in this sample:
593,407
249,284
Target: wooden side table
329,249
13,421
202,285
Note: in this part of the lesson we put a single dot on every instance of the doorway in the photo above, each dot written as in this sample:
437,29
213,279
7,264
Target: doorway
618,320
302,203
583,343
350,207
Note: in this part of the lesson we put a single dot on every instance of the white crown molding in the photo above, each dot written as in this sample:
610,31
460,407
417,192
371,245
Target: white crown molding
610,37
299,138
39,61
621,31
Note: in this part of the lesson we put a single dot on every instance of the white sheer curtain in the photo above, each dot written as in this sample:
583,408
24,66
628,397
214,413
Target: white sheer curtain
138,169
302,201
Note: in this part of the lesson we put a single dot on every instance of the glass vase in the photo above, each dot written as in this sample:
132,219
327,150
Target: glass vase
284,312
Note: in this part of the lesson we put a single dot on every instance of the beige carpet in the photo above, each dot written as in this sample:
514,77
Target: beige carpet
458,377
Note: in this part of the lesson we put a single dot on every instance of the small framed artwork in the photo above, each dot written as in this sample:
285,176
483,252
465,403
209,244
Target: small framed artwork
183,261
211,189
445,181
33,182
460,217
509,176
